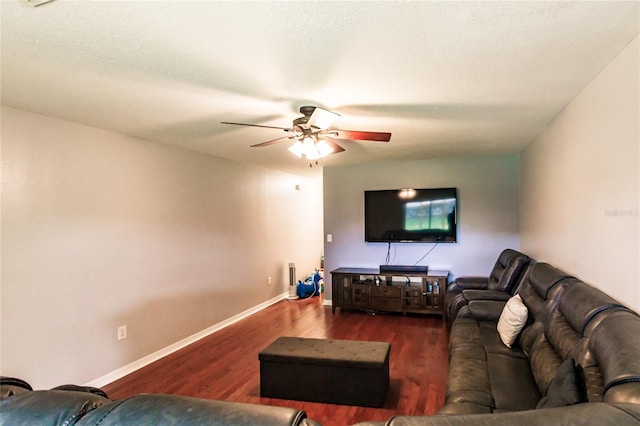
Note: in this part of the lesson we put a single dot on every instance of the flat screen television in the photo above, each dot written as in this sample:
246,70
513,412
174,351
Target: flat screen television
411,215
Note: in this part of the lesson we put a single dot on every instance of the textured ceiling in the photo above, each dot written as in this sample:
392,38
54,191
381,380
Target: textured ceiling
445,78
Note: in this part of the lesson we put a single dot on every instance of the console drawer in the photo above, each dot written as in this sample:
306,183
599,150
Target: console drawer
386,304
386,291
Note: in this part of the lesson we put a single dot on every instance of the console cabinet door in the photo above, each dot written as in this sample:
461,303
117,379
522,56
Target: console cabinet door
434,288
342,290
412,298
360,295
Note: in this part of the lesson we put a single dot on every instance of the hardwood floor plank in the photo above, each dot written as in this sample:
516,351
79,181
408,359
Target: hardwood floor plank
225,364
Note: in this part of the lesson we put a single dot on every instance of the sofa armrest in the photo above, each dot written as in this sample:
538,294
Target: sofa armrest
590,414
473,294
483,310
10,386
463,283
48,407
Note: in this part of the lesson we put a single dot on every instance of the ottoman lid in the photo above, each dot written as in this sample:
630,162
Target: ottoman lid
351,353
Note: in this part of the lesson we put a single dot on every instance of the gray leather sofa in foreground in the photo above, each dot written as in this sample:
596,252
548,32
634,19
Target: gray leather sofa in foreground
80,406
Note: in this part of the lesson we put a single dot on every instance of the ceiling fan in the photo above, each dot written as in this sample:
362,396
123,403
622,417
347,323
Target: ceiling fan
312,135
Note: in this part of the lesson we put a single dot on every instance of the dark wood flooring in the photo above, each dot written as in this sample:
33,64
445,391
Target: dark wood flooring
225,364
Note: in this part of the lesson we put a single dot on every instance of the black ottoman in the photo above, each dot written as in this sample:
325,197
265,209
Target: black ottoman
344,372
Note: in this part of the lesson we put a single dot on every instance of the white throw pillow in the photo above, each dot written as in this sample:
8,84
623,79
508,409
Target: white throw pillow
512,320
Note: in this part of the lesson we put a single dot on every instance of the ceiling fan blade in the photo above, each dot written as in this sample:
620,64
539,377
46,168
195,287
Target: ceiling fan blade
322,119
336,148
360,136
272,141
257,125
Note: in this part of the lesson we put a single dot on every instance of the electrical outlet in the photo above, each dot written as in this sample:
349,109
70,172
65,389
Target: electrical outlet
122,332
268,281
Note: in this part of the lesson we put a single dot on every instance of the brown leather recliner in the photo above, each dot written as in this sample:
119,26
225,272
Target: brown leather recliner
501,284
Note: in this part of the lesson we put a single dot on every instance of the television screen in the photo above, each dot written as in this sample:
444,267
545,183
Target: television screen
411,215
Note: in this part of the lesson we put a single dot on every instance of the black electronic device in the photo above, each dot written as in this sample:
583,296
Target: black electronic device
410,269
411,215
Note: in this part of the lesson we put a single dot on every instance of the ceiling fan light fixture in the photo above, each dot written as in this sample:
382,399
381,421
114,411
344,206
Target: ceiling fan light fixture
309,148
297,149
324,148
313,155
309,144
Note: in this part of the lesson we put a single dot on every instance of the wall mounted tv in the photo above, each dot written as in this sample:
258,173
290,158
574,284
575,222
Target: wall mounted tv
411,215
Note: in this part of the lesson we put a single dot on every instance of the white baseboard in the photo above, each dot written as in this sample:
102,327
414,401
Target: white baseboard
142,362
327,302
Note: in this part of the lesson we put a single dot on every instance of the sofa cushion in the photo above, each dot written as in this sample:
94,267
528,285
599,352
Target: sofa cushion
468,381
512,320
465,332
493,344
565,339
512,385
545,361
566,388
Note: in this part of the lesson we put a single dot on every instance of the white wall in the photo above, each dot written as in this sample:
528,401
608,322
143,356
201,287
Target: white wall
580,184
487,212
101,230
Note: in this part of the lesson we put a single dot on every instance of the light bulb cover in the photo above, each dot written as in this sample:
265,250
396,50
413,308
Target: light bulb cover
297,149
324,148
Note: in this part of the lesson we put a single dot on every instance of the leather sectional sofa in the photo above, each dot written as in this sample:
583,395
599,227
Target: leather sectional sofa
576,361
567,319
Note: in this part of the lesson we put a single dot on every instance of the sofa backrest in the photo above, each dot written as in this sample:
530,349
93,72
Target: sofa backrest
540,289
562,330
589,326
612,361
507,270
582,305
541,292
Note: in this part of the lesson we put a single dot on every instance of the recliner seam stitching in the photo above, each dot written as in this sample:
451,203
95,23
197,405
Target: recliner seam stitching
116,405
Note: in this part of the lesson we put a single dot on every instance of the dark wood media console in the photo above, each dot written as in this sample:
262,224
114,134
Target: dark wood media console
370,289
